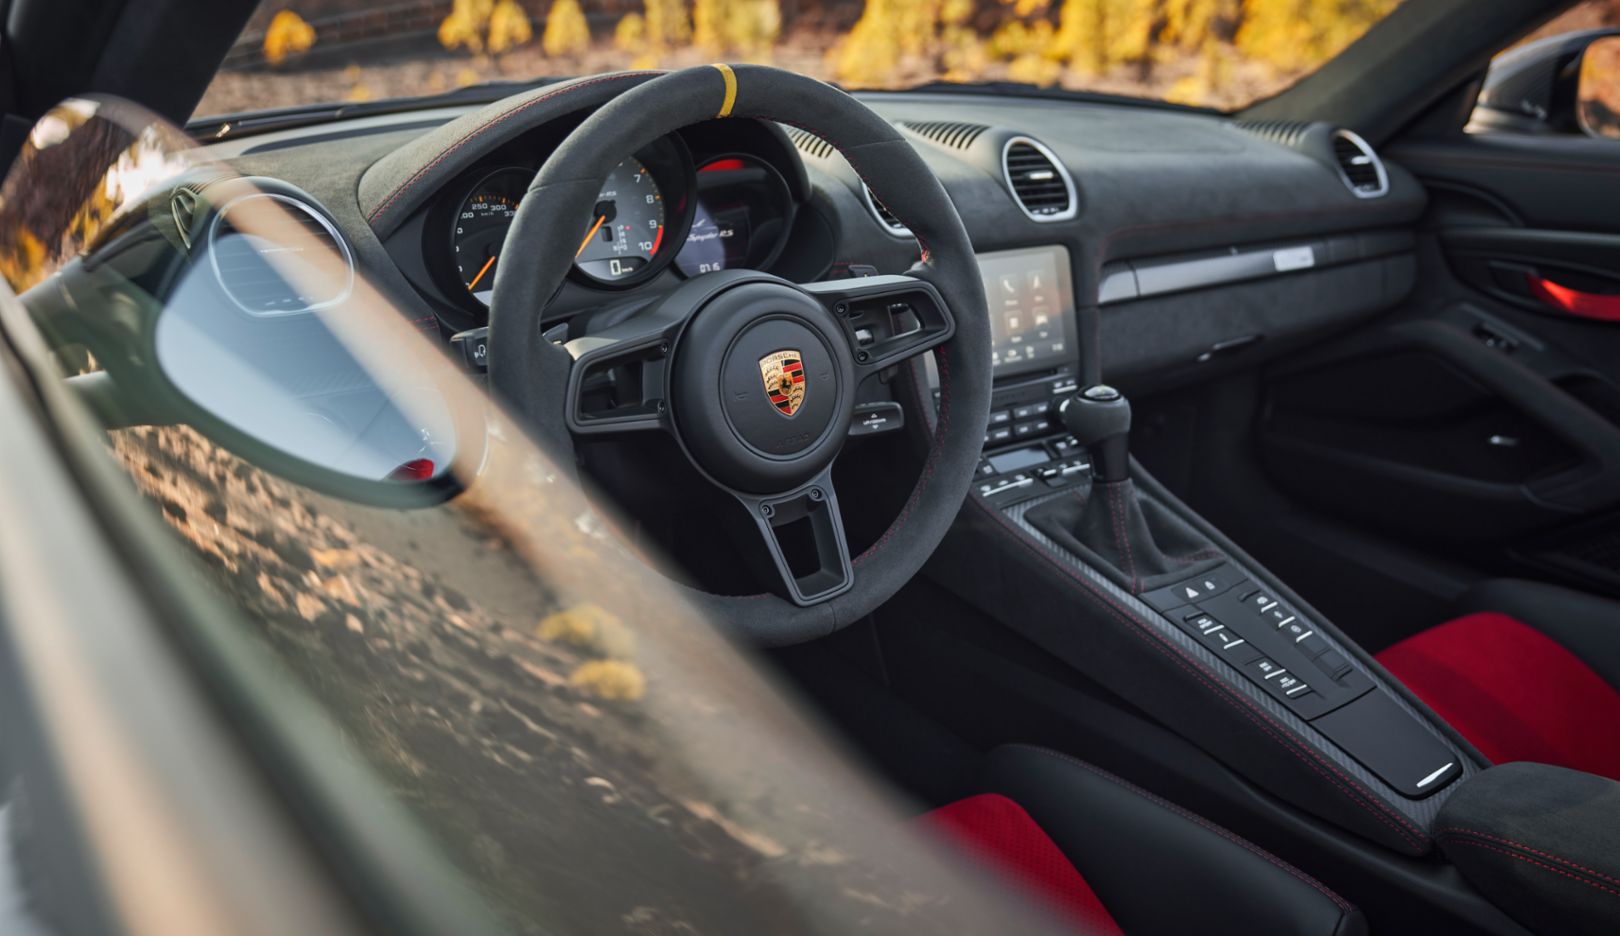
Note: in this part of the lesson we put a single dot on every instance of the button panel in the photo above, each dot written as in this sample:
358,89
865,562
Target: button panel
1211,583
1264,638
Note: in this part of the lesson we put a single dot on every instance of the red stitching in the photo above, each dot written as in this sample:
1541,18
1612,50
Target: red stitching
1245,706
1199,820
1540,864
1453,830
486,126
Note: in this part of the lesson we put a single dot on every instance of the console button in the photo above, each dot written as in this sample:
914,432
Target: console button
1240,652
998,436
1213,634
1265,668
1333,663
1030,411
1027,429
1000,417
1208,585
1005,485
1296,631
1067,446
1067,473
1312,645
1262,602
986,470
1289,685
1280,617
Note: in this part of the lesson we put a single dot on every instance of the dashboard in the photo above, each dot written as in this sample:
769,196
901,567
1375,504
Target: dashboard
1146,244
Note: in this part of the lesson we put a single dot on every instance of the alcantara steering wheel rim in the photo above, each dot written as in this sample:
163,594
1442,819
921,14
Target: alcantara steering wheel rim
720,336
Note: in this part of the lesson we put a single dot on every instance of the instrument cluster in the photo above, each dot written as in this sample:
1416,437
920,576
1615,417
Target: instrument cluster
661,210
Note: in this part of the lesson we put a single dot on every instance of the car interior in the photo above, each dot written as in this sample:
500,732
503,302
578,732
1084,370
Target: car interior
1209,521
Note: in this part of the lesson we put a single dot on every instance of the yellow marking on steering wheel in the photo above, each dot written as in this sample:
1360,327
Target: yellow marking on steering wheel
731,90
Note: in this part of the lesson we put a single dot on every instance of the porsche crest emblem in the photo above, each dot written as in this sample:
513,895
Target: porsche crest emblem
783,374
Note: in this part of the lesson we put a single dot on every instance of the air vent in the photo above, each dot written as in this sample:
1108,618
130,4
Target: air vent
1359,167
885,217
1289,133
808,142
261,287
951,133
1039,182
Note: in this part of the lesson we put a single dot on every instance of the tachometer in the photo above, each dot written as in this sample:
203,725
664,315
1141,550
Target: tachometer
481,225
742,219
627,227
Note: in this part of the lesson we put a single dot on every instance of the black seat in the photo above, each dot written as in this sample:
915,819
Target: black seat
1112,857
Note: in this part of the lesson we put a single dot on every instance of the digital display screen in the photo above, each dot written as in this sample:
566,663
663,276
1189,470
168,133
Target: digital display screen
1031,300
1018,458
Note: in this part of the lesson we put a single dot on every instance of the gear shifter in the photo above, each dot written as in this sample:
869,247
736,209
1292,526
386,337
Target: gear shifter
1139,543
1100,417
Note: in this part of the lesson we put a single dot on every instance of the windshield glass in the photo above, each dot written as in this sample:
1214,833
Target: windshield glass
1215,53
385,573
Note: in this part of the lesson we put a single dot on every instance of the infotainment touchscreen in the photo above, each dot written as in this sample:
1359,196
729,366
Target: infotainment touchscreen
1031,299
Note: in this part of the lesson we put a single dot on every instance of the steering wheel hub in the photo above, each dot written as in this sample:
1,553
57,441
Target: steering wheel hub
763,387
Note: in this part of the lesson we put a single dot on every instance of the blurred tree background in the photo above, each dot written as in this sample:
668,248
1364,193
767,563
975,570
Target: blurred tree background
1220,53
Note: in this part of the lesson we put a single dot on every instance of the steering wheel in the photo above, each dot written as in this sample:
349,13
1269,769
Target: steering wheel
754,376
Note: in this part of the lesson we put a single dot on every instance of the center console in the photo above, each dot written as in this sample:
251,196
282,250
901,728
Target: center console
1070,543
1030,294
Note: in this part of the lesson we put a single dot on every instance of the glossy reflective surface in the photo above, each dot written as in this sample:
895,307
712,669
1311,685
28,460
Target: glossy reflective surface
586,754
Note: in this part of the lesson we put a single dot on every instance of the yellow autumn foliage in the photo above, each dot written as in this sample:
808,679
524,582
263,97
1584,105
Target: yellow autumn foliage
566,31
744,27
1076,42
589,627
287,35
22,261
612,680
492,26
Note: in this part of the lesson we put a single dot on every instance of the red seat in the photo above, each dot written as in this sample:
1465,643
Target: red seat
996,830
1513,691
1103,854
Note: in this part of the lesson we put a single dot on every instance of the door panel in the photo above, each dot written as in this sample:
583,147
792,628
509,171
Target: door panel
1482,418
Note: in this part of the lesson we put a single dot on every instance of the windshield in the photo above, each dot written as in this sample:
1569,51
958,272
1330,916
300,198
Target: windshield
385,573
1214,53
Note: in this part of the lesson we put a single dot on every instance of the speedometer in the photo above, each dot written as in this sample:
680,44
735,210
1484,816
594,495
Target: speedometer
481,225
627,226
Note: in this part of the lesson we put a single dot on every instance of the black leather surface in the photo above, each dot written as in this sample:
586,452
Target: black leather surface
1586,625
1158,868
1542,843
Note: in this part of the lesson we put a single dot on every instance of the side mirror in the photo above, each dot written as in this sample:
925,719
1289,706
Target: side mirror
1597,96
175,292
1564,84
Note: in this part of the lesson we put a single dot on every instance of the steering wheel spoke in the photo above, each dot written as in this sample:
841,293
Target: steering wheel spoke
617,383
886,319
804,535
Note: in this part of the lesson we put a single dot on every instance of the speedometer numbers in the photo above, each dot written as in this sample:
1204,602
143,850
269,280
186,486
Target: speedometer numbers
481,227
627,226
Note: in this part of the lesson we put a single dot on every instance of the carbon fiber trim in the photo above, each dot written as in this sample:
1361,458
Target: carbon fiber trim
1422,812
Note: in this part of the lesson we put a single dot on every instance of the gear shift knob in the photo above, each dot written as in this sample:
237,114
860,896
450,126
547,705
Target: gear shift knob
1100,417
